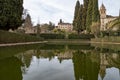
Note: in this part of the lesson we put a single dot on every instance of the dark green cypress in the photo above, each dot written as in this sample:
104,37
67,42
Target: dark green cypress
80,19
89,15
84,18
86,2
95,12
10,14
76,14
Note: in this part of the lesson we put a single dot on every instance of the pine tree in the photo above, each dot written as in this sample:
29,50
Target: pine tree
76,14
89,15
95,12
10,14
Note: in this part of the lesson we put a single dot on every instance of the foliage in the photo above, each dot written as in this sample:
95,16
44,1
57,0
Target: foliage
59,31
48,27
52,36
95,29
38,29
76,15
10,14
92,14
79,20
110,33
81,36
86,2
112,39
51,26
16,38
89,15
95,12
84,19
114,23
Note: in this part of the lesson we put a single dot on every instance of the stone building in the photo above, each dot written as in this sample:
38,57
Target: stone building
105,18
65,26
27,26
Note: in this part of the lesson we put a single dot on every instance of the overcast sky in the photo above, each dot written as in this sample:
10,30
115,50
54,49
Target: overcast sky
53,10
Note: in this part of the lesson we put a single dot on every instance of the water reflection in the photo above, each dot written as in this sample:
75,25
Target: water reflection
10,69
61,62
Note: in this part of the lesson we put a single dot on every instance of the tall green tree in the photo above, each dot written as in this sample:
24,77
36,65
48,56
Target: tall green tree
95,12
89,15
86,2
80,20
84,18
76,14
10,14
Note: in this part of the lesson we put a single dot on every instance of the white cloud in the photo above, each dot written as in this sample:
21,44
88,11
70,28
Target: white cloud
53,10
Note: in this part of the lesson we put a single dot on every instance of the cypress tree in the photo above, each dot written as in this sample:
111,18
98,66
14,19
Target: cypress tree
10,14
95,12
86,2
80,19
84,18
76,14
89,15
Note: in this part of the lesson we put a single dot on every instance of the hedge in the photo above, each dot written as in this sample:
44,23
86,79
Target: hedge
52,36
80,36
8,37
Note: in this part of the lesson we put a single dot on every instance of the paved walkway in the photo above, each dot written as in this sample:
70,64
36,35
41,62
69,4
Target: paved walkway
14,44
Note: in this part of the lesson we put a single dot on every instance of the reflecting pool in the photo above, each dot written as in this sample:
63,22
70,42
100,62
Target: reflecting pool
59,62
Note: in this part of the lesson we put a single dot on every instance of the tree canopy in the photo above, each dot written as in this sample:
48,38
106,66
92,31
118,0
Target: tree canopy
76,15
11,14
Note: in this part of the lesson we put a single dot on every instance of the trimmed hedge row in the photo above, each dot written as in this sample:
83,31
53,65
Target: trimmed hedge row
52,36
110,33
8,37
62,36
81,36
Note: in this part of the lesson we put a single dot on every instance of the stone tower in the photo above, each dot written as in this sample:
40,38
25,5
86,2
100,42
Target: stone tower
102,17
102,11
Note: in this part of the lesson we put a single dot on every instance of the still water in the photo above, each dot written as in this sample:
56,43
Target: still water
59,62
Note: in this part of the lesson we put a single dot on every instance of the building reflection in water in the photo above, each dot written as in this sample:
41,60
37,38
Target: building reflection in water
88,63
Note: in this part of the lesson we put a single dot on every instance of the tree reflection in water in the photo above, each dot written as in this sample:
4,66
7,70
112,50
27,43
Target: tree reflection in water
88,62
10,69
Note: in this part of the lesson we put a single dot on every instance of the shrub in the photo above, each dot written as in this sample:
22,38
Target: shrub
80,36
95,29
8,37
52,36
